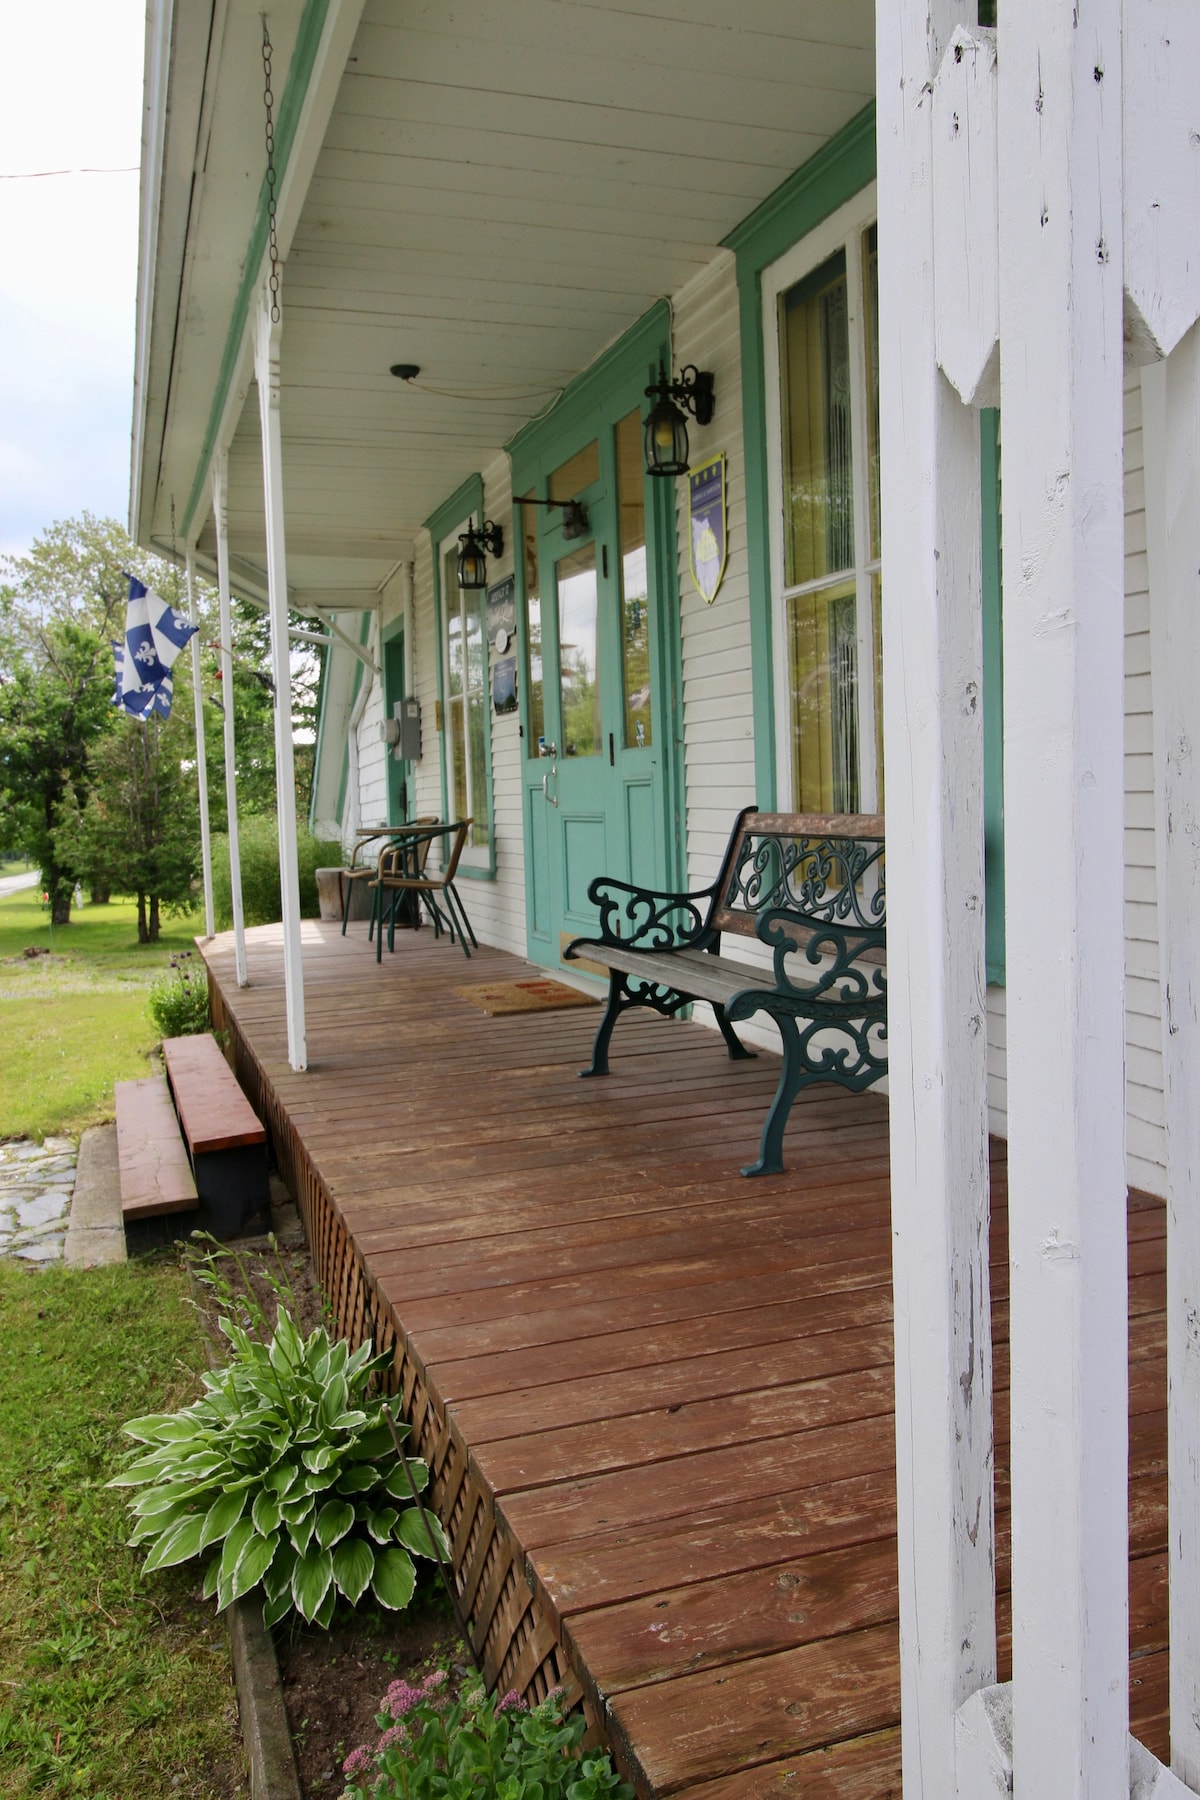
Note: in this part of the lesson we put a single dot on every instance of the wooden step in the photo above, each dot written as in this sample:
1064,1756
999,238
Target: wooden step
226,1140
156,1176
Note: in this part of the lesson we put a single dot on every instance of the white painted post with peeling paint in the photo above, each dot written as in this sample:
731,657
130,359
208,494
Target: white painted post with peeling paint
220,486
1161,54
201,752
1060,232
933,753
266,370
1171,429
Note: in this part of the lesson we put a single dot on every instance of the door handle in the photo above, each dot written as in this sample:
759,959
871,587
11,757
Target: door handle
546,794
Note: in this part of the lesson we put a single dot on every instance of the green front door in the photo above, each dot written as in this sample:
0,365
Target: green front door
600,787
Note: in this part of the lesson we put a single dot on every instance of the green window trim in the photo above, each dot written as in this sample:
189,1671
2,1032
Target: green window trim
993,695
838,171
831,178
465,500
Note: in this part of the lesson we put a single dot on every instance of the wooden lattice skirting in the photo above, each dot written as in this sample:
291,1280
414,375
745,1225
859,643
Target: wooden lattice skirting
516,1642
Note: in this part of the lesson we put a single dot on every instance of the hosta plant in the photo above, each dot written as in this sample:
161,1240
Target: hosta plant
285,1473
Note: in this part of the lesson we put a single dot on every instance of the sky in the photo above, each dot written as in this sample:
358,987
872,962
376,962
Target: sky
70,98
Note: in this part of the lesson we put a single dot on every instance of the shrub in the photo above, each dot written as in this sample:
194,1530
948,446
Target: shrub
477,1748
288,1474
258,844
178,1001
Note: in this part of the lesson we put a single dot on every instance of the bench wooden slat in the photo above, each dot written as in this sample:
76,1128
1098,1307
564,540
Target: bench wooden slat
694,972
213,1111
156,1177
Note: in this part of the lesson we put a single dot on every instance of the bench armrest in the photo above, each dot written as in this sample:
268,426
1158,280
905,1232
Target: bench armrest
634,918
848,971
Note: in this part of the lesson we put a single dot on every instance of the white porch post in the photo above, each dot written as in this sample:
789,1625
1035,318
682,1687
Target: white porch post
266,369
201,752
937,1034
220,484
1171,422
1060,227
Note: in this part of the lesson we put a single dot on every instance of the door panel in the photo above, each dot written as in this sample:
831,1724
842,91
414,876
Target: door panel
594,784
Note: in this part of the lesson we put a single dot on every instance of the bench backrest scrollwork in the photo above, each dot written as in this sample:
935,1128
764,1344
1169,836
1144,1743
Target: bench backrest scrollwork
827,868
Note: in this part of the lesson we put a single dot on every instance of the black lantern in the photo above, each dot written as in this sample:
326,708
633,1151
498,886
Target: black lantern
666,433
474,548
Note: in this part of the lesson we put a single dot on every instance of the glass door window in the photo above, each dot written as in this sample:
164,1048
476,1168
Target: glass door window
821,340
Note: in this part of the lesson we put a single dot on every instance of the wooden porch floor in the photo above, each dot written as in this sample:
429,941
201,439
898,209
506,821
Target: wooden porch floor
657,1398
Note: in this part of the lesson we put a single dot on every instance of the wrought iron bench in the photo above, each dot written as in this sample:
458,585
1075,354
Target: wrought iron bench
811,886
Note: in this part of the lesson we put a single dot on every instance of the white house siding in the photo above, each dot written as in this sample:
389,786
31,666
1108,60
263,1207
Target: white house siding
718,704
1146,1145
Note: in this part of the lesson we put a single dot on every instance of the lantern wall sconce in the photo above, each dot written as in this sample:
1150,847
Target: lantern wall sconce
666,434
575,523
475,546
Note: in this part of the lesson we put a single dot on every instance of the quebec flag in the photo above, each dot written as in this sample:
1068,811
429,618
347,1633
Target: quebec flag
154,635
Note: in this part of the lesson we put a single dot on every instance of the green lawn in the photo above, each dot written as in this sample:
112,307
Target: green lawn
74,1022
113,1686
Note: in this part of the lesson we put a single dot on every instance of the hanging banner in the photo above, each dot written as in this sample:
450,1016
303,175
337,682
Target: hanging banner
706,505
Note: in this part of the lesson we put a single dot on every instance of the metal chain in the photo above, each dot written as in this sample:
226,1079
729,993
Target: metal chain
269,104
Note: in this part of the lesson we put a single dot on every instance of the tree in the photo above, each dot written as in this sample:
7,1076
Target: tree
59,608
139,829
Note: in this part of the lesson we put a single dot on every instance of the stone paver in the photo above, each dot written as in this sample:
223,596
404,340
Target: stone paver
36,1184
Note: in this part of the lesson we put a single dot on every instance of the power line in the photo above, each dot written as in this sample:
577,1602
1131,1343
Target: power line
46,174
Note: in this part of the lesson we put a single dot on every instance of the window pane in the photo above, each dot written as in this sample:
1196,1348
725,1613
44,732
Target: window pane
575,577
458,762
580,472
823,668
533,628
814,357
635,592
871,316
477,722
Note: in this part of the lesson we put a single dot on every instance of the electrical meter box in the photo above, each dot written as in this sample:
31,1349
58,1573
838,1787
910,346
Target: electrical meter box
407,715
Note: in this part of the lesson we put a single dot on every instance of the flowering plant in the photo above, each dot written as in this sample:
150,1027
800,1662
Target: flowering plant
179,998
477,1747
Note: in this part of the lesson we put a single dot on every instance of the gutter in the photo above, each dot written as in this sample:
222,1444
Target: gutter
159,21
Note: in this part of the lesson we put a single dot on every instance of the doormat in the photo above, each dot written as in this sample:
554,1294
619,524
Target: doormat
499,998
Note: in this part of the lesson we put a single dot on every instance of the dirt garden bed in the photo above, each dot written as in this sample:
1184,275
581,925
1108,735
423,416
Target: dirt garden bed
333,1680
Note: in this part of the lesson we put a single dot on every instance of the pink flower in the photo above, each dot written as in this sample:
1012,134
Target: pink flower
358,1762
401,1698
396,1734
436,1680
512,1702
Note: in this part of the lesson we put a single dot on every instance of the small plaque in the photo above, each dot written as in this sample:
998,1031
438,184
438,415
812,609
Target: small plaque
706,505
504,685
502,612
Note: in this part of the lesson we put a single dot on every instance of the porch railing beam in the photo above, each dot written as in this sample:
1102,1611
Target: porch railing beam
266,369
1060,238
220,496
937,1035
201,752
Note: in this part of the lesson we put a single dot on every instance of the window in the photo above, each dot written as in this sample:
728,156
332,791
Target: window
466,723
820,339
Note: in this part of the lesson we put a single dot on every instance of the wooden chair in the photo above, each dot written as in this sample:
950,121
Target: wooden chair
402,870
366,871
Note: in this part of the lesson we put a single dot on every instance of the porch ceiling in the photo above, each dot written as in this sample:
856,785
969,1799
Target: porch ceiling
500,192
